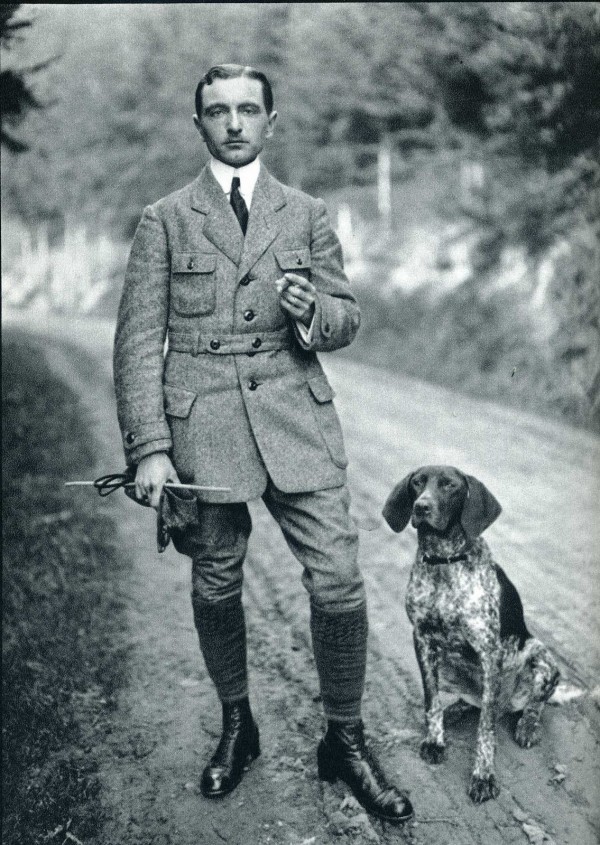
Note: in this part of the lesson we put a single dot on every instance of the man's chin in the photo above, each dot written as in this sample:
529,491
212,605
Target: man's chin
236,156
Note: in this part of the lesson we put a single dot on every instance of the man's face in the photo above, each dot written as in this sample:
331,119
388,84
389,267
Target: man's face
234,122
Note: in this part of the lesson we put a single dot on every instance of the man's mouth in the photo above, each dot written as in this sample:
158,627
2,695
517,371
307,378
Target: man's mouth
234,143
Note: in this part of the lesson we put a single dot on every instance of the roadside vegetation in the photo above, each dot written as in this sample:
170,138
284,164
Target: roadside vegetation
461,140
522,331
62,611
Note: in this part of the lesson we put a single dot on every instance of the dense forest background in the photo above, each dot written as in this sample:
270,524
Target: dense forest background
456,144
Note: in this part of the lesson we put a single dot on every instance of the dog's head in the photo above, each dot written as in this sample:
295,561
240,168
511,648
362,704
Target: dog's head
437,497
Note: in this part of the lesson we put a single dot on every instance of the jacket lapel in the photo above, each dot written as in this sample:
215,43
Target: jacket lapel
263,223
220,225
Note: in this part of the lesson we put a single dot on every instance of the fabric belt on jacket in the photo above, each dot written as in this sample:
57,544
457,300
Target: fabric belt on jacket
229,344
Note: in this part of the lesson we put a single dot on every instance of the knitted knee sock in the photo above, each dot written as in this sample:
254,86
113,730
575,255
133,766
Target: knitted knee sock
222,633
340,649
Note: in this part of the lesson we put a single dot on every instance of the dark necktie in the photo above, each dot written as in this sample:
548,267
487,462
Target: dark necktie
238,204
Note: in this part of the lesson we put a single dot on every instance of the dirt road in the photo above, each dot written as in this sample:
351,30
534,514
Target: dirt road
546,477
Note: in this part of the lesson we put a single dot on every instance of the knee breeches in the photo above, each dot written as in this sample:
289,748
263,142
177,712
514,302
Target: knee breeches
317,528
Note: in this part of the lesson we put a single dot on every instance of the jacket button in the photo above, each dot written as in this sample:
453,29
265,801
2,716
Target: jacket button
214,344
257,343
130,437
247,279
249,315
253,385
190,264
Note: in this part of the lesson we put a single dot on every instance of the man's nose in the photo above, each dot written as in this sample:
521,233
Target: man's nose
233,125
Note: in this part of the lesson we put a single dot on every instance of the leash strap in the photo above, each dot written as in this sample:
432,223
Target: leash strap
107,484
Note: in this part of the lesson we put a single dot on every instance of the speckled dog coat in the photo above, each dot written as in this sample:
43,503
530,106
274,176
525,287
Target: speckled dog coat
469,630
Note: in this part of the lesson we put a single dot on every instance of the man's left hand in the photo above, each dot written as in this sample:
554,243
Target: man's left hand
297,296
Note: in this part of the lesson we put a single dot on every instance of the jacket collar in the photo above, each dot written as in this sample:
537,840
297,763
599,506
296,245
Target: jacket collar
248,175
221,226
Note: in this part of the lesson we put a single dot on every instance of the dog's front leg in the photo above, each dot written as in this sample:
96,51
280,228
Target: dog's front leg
433,748
483,781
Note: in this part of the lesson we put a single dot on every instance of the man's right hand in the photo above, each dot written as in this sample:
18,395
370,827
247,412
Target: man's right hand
152,473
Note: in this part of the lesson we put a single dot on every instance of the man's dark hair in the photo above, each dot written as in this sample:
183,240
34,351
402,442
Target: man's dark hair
234,72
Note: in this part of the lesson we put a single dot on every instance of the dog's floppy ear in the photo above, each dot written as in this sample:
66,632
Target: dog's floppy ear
398,506
480,508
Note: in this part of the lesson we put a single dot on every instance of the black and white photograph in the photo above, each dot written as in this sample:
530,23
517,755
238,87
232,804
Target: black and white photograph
300,423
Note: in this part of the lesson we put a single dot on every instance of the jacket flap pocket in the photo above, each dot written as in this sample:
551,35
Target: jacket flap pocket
178,400
293,259
193,262
321,389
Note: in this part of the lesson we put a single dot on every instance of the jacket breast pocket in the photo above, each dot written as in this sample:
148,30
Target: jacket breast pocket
327,419
193,283
294,260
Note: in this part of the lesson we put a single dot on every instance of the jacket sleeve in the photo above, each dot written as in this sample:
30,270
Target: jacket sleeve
337,315
138,355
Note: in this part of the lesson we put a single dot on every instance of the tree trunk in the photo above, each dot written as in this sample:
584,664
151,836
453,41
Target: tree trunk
384,181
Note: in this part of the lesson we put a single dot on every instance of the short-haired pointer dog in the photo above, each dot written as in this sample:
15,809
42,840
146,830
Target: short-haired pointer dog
467,616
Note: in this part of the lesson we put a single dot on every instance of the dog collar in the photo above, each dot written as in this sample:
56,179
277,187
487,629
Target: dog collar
443,559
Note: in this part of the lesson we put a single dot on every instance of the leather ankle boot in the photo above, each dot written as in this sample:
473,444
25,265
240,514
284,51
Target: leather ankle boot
342,753
239,744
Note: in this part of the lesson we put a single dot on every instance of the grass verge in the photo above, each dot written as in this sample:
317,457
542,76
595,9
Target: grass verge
63,616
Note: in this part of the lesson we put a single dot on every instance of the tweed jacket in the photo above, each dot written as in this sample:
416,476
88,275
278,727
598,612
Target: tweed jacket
207,365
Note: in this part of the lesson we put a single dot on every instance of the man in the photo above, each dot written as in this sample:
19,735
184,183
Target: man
244,277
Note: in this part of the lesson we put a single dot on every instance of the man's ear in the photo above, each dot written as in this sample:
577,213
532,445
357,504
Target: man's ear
480,508
198,125
271,124
398,506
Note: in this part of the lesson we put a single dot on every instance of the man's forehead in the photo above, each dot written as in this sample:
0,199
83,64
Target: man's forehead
232,91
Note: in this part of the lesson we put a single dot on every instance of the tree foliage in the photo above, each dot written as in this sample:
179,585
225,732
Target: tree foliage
508,88
16,95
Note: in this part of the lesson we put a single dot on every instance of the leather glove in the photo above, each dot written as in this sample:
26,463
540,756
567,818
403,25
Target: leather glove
177,509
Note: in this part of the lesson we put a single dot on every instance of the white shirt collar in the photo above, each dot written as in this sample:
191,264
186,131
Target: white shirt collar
248,175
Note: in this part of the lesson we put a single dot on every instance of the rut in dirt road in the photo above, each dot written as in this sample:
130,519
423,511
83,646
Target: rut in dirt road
168,719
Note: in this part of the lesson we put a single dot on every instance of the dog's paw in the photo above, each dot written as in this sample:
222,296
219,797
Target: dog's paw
482,789
527,732
431,752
